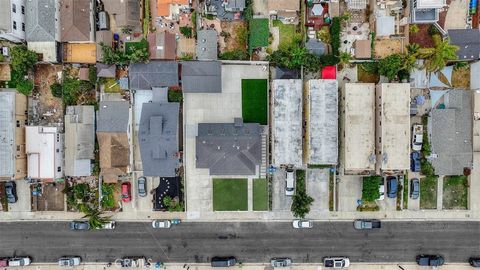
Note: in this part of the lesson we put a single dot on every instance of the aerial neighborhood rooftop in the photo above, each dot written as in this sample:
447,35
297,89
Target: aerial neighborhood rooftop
240,109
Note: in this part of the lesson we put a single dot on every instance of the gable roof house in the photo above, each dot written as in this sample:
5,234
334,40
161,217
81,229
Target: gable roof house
12,20
162,45
153,74
113,134
287,122
229,148
42,28
207,47
284,10
202,77
235,5
323,122
79,140
125,12
158,138
76,21
393,127
44,149
468,42
13,160
450,131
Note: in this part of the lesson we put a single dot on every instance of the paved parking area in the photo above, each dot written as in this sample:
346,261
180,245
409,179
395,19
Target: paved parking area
413,204
317,188
280,202
387,204
24,202
349,191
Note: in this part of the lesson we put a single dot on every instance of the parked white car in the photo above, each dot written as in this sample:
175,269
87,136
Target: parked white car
109,225
302,224
19,261
161,224
336,262
381,190
69,261
417,137
290,183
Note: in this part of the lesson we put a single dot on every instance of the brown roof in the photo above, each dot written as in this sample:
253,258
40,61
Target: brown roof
162,45
114,154
75,20
83,74
126,12
363,49
105,37
163,6
284,5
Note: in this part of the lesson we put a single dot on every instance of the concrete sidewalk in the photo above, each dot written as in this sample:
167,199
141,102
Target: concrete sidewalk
354,266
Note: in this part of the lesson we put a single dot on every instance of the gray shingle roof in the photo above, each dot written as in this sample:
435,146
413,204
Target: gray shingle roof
202,77
468,41
451,134
40,20
207,45
158,138
153,74
229,149
113,116
316,47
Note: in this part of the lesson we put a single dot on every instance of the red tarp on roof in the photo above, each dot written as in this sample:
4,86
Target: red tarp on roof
329,72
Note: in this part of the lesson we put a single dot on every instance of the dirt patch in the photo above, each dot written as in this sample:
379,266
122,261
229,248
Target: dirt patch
422,37
386,47
365,77
49,108
50,199
461,78
235,37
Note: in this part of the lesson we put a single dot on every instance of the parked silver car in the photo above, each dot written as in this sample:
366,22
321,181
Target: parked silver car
414,188
142,186
161,224
281,262
302,224
69,261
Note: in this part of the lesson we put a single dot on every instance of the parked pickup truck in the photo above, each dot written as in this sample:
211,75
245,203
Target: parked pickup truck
417,137
367,224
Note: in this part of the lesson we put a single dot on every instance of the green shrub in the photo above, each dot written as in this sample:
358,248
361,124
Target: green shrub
390,66
186,31
175,96
301,201
426,168
25,87
335,30
370,189
234,55
92,74
56,89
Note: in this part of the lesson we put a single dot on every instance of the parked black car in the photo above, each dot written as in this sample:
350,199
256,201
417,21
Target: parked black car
11,192
474,262
415,164
392,186
223,261
430,260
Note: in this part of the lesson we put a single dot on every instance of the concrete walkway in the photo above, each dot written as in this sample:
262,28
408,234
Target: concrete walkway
440,193
353,266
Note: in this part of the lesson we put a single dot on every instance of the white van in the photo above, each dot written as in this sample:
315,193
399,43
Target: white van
19,261
290,183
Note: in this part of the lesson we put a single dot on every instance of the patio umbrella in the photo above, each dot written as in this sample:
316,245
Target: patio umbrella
317,10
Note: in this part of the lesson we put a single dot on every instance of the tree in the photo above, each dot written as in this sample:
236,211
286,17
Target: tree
437,57
390,66
131,55
345,58
22,59
95,218
186,31
301,201
370,188
56,90
25,87
413,28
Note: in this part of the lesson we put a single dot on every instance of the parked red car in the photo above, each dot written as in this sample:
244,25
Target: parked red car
3,262
126,192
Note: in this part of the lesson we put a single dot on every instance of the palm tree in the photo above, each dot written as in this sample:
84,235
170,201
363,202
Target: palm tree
436,58
345,58
94,217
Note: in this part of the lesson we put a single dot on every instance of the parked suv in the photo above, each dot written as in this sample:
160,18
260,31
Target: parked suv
142,186
223,261
430,260
414,188
392,186
415,164
290,183
11,191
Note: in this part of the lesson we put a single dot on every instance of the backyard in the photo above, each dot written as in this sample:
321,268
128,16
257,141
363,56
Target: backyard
428,192
259,33
455,192
260,195
111,85
230,195
254,101
287,32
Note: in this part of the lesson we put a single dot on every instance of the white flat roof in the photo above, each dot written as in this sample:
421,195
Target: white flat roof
7,134
47,49
421,4
395,126
323,122
287,122
40,149
359,127
385,26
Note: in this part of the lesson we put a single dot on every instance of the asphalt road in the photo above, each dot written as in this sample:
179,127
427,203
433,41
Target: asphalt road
249,242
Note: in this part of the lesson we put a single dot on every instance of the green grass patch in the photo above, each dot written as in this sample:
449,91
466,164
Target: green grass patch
230,195
405,192
112,86
287,32
260,195
428,192
254,101
108,196
455,192
259,33
138,45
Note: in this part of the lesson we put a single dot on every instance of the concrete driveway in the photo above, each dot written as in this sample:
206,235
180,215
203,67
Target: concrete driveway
412,204
280,201
349,190
24,202
317,188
